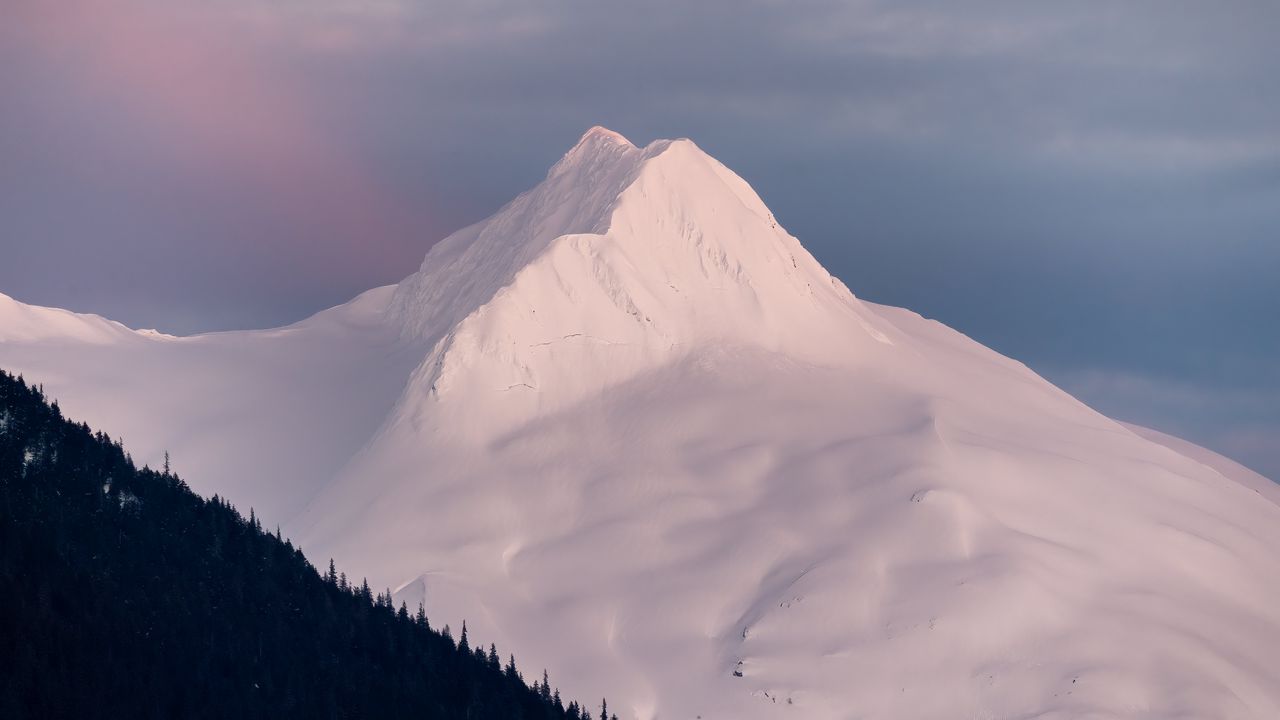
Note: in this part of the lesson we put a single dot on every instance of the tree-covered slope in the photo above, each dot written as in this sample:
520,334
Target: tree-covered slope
124,594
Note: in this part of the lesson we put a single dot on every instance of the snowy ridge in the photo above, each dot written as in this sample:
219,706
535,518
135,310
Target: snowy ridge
630,430
462,272
22,323
1225,466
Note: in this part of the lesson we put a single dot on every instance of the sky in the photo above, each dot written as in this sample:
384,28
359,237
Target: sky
1090,187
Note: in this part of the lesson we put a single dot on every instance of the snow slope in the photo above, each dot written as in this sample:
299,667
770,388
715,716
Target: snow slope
629,429
292,404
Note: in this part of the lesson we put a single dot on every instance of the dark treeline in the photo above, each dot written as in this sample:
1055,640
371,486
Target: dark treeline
124,594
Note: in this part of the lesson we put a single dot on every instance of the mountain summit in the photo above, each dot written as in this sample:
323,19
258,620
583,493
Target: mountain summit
623,259
630,429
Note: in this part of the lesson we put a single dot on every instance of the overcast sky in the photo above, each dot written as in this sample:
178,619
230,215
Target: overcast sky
1090,187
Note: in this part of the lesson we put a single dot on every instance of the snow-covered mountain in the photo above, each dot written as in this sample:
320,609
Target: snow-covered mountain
629,429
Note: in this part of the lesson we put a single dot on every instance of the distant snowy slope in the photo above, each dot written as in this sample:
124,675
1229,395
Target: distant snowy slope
22,323
233,409
1226,466
631,430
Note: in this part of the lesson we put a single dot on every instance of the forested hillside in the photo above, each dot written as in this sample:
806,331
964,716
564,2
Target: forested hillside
124,594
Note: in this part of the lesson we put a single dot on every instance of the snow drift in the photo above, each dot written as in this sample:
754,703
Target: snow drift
629,429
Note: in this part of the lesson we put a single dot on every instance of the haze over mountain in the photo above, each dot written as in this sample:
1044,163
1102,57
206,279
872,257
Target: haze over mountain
629,428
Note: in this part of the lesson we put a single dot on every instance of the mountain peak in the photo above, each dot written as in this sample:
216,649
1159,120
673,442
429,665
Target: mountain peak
598,152
599,133
622,259
676,237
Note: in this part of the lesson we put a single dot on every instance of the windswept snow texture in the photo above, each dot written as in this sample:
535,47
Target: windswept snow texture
629,429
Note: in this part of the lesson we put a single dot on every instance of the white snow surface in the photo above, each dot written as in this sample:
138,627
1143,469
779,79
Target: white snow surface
630,430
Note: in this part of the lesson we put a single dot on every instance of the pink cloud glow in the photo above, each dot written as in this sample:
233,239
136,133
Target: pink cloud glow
218,108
